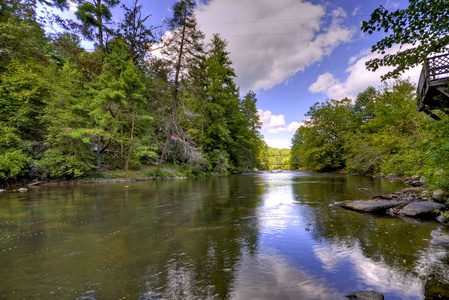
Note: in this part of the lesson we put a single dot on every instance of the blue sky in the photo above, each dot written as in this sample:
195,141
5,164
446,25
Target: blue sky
291,53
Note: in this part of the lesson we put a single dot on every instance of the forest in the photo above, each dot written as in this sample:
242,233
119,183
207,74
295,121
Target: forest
66,112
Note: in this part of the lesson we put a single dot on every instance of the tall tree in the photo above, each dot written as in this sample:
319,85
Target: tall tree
118,109
96,16
421,29
250,143
222,119
138,36
183,46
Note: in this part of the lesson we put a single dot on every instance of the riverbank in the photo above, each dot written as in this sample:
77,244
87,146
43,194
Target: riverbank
145,173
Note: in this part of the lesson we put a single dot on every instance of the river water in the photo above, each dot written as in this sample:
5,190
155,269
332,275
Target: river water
256,236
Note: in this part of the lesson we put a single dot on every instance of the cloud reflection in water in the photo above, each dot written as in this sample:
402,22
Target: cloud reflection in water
378,275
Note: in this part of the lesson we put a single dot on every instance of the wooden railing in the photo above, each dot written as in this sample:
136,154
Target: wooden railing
435,68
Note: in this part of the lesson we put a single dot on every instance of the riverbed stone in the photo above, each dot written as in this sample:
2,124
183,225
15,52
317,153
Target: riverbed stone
438,196
443,219
440,237
421,209
373,206
365,295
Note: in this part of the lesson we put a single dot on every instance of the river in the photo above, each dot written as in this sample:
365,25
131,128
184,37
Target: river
255,236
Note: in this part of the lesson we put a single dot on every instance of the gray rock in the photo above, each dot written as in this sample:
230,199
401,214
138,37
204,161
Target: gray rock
438,196
373,206
420,209
365,295
440,237
442,219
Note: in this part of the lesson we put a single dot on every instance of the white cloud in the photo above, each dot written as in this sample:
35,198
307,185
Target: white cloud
323,83
359,77
293,126
278,142
270,41
276,132
272,123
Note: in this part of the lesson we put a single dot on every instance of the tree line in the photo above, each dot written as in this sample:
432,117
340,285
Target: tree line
68,112
380,131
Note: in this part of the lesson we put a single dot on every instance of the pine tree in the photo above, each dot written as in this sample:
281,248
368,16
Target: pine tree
184,48
95,16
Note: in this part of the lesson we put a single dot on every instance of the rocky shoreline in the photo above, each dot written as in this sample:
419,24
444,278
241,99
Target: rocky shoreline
416,202
413,204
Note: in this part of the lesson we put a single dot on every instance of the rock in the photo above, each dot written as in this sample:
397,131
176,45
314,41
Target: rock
21,190
440,237
373,206
442,219
414,180
421,209
438,196
365,295
422,180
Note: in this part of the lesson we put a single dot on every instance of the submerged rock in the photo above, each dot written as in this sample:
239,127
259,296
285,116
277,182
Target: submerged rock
440,237
421,209
373,206
365,295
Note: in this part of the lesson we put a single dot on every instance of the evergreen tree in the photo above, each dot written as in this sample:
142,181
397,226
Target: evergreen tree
95,16
250,143
184,49
119,111
136,34
221,114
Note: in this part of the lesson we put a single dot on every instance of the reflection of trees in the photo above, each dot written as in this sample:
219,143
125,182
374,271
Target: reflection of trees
390,241
380,238
211,228
145,240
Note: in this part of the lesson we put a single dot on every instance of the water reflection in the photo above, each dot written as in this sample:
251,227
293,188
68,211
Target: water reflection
273,277
375,274
258,236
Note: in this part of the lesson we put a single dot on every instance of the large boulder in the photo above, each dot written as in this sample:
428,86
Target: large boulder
365,295
421,209
373,206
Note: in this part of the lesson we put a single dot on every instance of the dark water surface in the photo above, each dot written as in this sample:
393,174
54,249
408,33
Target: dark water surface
258,236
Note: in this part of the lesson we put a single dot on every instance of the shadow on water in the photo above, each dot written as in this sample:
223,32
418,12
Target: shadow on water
264,236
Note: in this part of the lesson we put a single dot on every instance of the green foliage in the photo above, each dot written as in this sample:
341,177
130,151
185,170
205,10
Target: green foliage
94,16
319,144
276,159
373,134
434,164
66,111
422,27
13,163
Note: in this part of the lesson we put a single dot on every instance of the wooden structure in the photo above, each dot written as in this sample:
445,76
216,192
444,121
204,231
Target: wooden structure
433,86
